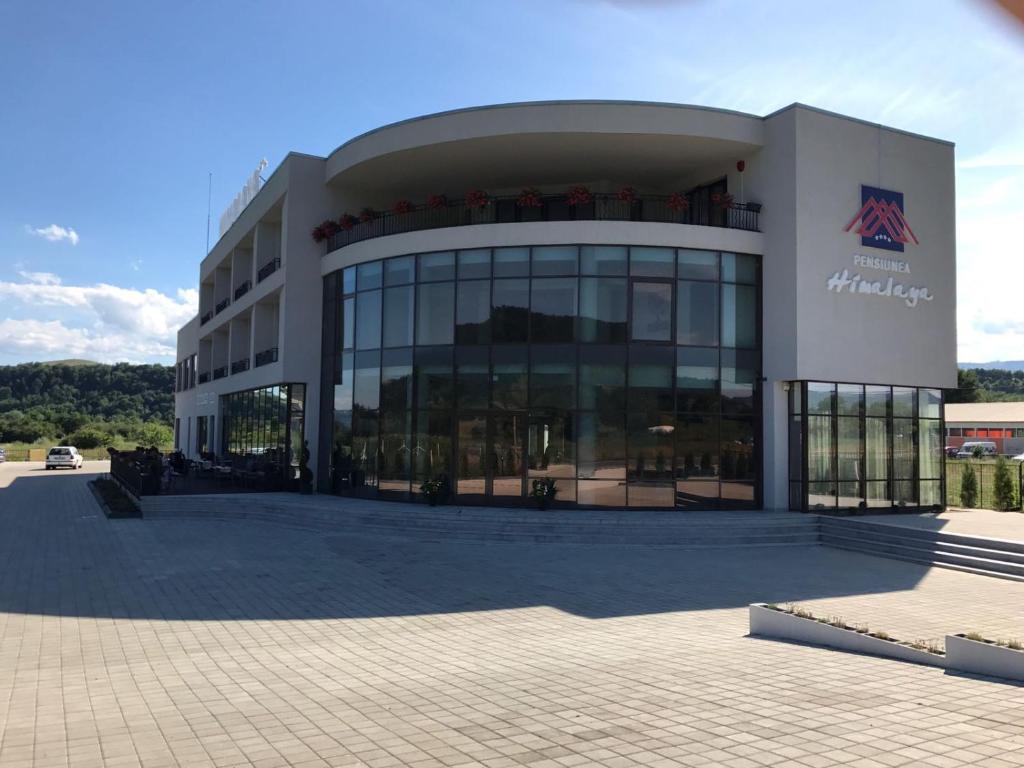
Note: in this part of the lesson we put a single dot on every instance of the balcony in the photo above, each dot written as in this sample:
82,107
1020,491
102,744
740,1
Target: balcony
204,377
220,373
266,357
268,269
675,209
206,318
221,305
240,366
243,289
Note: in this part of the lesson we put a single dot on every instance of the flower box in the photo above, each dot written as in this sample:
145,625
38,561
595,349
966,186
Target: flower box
775,623
982,657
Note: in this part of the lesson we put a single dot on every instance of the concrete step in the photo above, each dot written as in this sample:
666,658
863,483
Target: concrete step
971,554
479,524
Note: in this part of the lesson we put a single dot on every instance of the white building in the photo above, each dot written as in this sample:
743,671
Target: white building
655,305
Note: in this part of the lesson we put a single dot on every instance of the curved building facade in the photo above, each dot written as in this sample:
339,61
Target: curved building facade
652,306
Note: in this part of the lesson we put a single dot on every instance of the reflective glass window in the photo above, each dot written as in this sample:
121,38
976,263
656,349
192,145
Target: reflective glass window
739,268
348,280
510,310
603,307
437,266
601,446
552,309
399,271
398,316
474,264
739,316
697,379
652,311
509,378
603,260
368,320
652,262
696,313
434,377
554,260
511,262
435,313
553,378
370,275
697,265
473,312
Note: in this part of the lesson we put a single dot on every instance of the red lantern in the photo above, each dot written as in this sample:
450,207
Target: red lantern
740,165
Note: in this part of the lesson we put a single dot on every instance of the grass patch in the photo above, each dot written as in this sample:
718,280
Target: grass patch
117,502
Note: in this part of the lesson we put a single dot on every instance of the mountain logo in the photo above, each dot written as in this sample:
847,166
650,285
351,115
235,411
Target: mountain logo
880,221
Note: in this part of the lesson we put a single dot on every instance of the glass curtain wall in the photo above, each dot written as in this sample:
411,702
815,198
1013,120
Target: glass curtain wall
627,374
856,447
263,428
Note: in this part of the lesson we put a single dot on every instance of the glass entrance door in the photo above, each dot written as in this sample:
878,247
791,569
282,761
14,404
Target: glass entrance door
505,457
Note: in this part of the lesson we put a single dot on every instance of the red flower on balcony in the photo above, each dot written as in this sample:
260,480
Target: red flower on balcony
367,214
318,235
402,206
437,201
330,227
723,200
347,221
529,198
627,194
579,195
677,202
477,198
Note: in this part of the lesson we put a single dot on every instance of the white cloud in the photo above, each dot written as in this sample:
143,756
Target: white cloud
49,338
55,233
101,321
42,278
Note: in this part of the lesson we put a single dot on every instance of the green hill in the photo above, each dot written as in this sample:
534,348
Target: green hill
95,403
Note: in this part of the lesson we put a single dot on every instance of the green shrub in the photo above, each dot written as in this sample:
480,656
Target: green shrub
90,436
1005,495
968,487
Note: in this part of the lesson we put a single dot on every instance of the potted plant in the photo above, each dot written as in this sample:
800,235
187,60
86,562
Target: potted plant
476,199
543,491
578,195
347,221
367,214
318,234
678,203
402,206
305,473
437,201
434,489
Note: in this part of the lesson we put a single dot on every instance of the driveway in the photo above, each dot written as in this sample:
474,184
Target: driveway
194,643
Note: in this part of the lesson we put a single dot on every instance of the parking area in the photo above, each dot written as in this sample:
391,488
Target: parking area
201,643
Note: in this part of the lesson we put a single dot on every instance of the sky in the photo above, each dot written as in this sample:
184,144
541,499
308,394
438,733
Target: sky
113,115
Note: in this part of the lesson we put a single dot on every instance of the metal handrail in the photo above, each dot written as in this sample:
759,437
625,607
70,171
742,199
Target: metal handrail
243,289
268,269
602,207
220,373
204,377
266,357
221,305
240,365
206,318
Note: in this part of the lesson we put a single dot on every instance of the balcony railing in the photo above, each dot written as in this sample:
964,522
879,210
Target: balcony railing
268,269
206,318
221,306
697,210
266,357
243,289
220,373
240,366
204,377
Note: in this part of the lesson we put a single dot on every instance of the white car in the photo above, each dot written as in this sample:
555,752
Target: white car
64,457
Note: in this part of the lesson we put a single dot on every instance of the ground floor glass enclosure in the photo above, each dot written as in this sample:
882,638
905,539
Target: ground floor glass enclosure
856,446
628,375
263,429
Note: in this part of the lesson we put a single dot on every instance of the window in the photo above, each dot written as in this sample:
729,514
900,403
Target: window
652,311
435,311
628,374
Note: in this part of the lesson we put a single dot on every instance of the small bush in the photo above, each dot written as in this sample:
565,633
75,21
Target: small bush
1005,495
968,487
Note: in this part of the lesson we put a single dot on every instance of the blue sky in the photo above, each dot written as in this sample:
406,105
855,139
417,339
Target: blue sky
115,112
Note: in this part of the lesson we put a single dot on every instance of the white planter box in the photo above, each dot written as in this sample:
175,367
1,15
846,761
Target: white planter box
767,622
984,658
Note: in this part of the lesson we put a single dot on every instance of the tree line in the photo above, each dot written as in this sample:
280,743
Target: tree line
986,385
89,405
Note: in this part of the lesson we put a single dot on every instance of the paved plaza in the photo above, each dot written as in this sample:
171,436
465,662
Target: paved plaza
202,643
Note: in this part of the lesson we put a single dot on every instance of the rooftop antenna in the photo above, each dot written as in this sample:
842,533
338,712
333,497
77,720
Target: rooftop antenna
209,195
